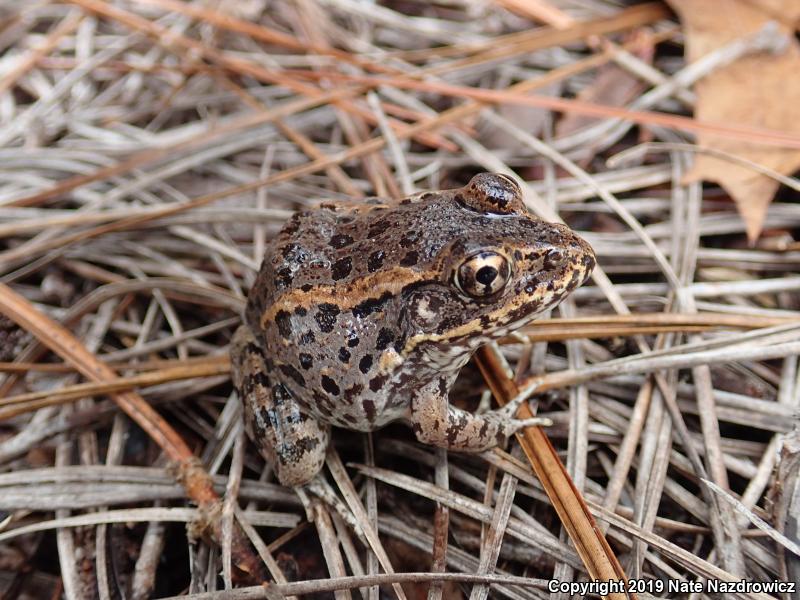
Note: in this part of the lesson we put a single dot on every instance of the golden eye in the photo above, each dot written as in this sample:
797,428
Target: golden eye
483,274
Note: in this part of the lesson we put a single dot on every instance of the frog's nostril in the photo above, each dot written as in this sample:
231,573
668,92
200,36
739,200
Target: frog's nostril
554,258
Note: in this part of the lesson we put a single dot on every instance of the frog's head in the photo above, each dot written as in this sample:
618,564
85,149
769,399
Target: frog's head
503,269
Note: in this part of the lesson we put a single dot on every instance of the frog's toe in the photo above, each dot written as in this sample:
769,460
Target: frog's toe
521,424
509,411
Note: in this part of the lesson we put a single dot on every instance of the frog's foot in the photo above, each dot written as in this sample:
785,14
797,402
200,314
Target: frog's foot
509,411
319,488
435,421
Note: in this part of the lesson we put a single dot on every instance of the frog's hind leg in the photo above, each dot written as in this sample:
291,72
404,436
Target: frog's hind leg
293,442
435,421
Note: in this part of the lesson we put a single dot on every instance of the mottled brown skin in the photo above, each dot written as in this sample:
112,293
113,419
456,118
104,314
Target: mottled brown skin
363,315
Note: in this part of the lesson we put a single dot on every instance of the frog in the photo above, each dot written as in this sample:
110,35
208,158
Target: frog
363,314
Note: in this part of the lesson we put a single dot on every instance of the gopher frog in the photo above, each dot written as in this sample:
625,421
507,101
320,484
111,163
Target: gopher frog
362,315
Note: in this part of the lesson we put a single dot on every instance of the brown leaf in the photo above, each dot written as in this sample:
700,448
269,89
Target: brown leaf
759,89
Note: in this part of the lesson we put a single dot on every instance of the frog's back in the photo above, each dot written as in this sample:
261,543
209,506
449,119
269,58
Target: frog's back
320,314
351,249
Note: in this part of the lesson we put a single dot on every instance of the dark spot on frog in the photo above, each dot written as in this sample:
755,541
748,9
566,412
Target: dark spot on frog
517,255
532,256
353,392
252,348
375,260
307,338
409,239
292,225
329,385
405,201
365,364
429,196
340,240
294,374
329,206
305,444
341,268
376,383
326,316
399,343
369,410
280,394
378,228
410,259
455,428
352,339
486,321
306,361
344,354
385,337
266,415
459,199
253,381
284,322
484,428
300,311
370,305
284,278
345,219
306,287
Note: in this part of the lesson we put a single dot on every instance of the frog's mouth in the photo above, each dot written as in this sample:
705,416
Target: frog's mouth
544,288
443,349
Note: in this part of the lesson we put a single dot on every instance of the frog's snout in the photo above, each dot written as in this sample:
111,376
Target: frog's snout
555,259
583,255
589,261
566,248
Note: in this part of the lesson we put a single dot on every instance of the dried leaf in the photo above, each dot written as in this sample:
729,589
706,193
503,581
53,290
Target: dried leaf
760,89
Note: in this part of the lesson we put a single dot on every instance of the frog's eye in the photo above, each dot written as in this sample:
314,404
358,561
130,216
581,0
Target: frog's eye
493,193
483,274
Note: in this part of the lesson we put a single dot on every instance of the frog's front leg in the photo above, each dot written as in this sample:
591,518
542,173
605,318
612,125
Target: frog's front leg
435,421
293,442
